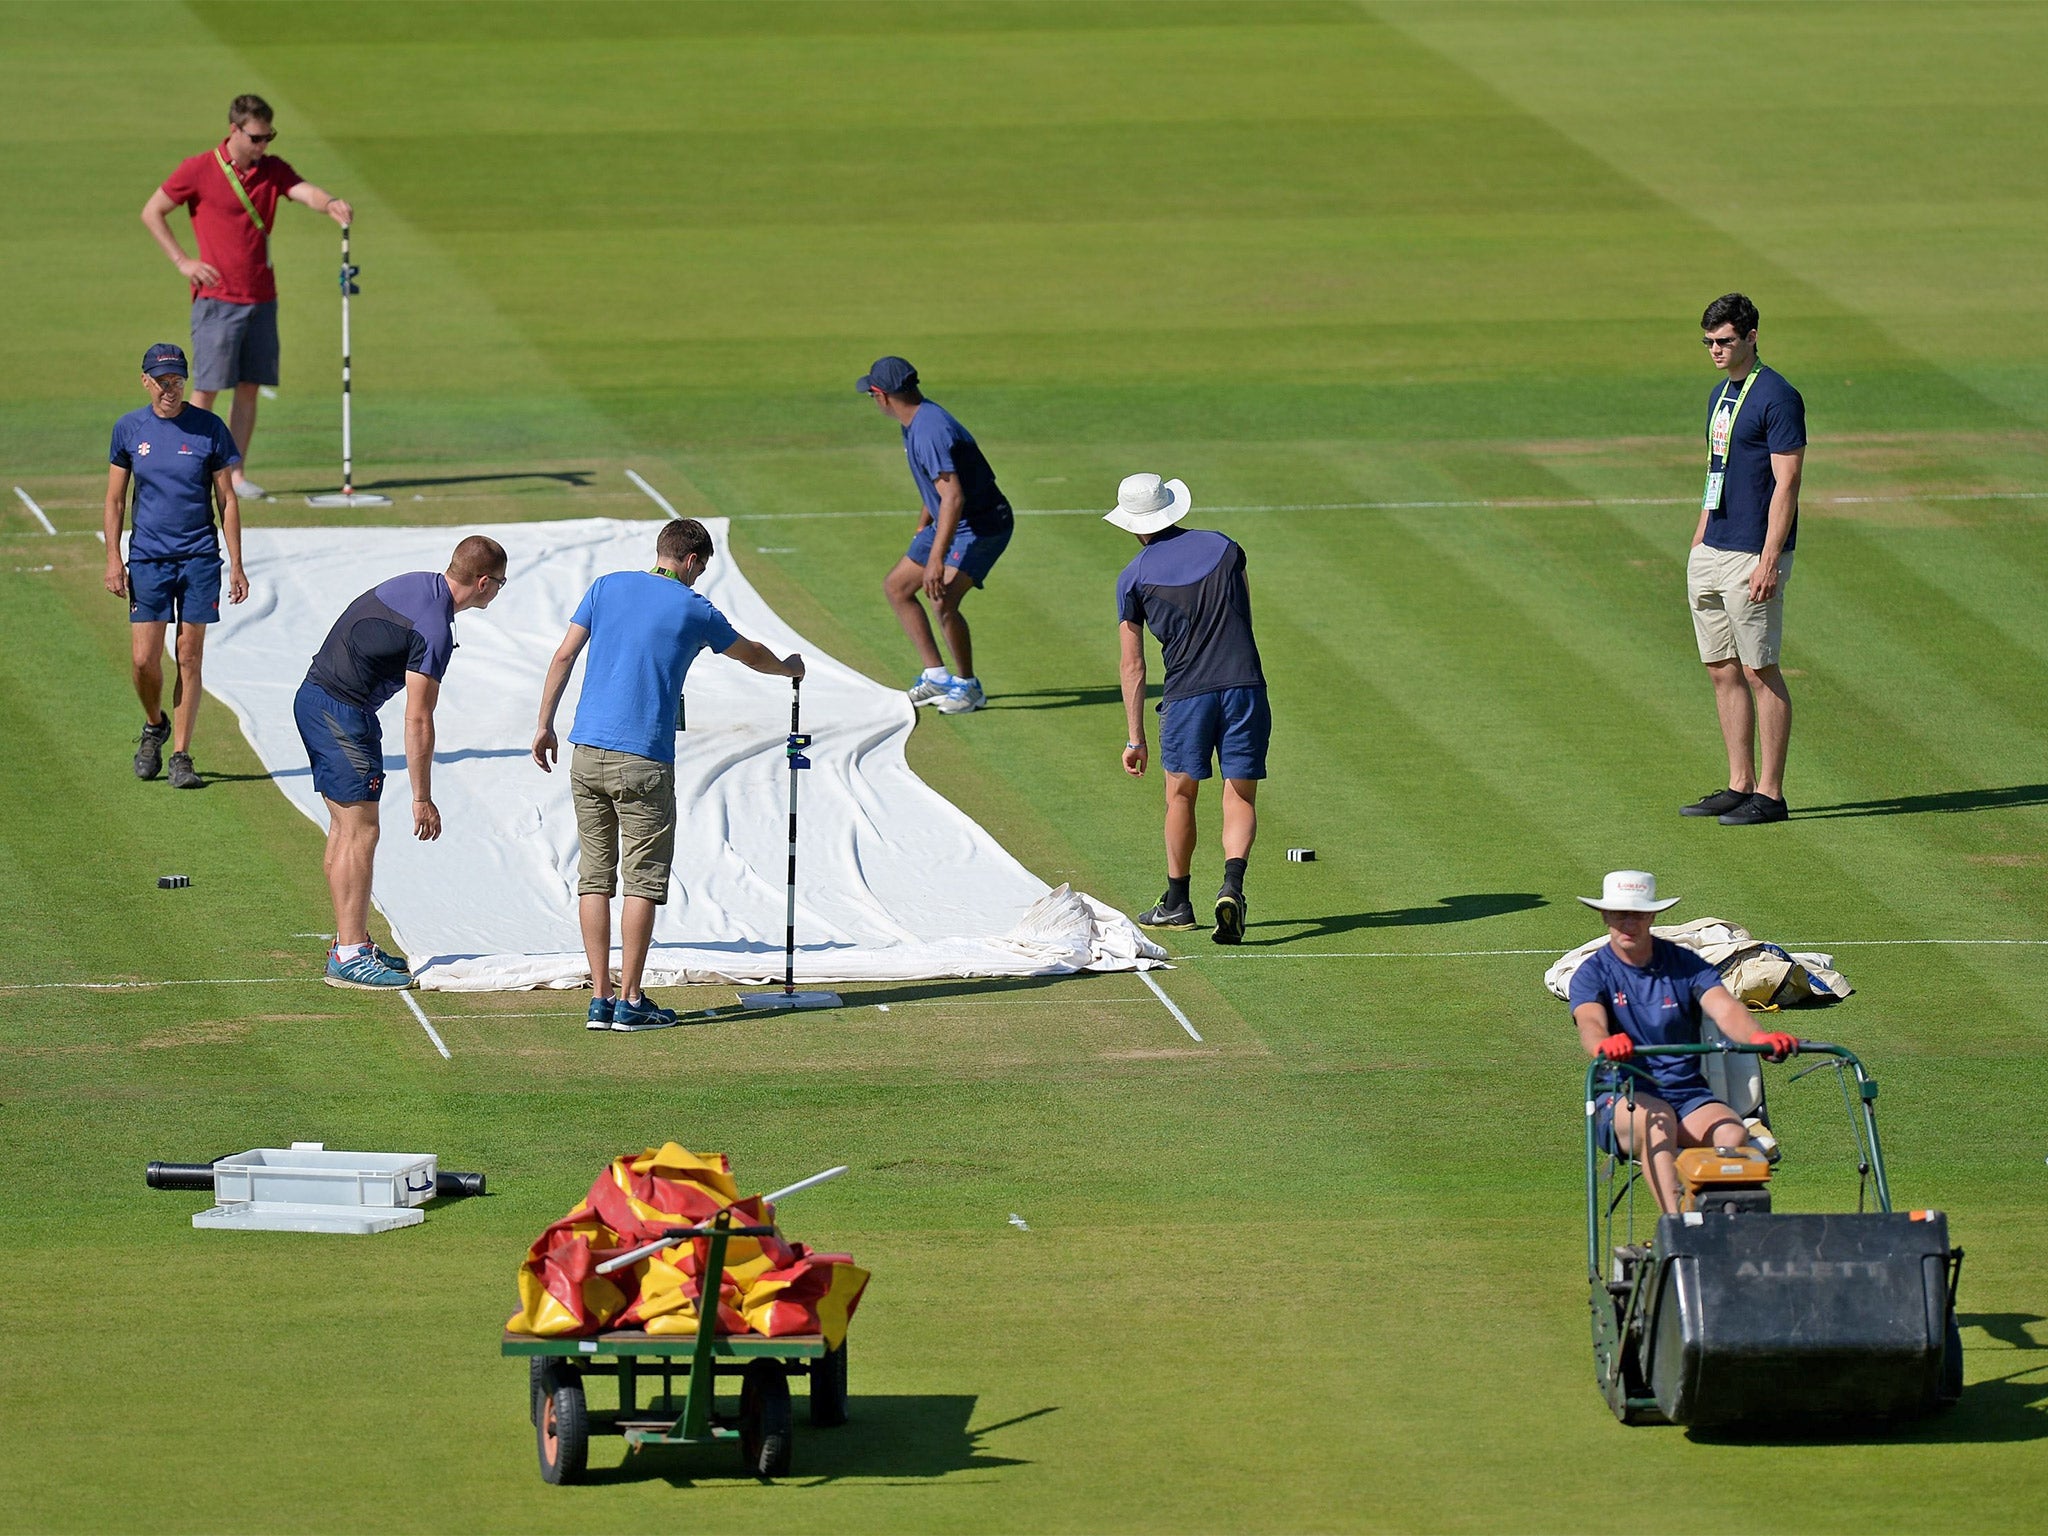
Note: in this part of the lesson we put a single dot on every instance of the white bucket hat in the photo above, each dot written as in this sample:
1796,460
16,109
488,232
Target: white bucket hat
1147,504
1629,890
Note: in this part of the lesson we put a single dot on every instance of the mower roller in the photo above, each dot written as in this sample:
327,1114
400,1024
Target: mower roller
1735,1314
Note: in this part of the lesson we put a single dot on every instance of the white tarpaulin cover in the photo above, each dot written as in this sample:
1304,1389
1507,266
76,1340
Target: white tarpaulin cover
894,882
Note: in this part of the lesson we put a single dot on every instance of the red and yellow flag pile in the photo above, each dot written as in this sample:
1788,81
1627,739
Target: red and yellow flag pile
770,1286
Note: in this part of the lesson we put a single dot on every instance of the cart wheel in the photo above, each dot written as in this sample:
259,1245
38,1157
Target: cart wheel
828,1389
765,1427
563,1432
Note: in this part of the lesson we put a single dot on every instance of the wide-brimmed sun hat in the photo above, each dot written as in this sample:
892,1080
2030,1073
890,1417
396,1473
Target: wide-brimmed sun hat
1629,890
1147,504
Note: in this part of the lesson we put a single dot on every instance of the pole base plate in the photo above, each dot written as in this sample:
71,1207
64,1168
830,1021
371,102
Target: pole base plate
783,1002
349,499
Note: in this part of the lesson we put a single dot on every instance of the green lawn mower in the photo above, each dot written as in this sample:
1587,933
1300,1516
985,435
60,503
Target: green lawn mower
1737,1314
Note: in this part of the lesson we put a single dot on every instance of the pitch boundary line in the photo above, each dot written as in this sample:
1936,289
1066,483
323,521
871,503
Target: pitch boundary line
427,1024
660,500
1171,1006
29,501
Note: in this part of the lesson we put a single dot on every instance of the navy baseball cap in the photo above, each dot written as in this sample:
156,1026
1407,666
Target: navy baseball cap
165,358
891,375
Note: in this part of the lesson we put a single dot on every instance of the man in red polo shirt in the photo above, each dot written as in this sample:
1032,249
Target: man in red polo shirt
232,191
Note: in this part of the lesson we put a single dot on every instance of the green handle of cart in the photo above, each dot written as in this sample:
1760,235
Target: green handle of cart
710,1286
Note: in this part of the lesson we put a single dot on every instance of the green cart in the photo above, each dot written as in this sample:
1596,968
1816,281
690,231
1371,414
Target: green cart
763,1426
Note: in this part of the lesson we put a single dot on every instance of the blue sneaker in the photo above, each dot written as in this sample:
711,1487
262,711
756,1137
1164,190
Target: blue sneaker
963,696
366,971
631,1015
600,1015
925,691
396,962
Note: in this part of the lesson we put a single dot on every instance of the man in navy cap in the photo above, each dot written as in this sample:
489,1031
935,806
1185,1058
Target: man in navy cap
962,532
181,460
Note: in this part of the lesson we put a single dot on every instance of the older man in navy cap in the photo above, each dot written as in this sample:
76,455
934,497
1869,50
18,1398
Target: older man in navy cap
182,460
961,533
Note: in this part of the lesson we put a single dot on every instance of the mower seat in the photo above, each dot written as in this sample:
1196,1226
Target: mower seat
1737,1079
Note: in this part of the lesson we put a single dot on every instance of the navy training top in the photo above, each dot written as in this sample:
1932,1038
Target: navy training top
173,463
406,624
1772,420
645,630
936,444
1659,1005
1188,587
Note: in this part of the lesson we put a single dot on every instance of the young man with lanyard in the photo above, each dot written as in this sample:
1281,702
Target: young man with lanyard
232,192
398,635
963,530
1188,586
1741,561
181,459
1642,990
644,628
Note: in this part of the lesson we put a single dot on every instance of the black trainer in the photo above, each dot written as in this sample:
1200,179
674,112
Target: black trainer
1719,803
149,751
183,774
1755,811
1168,916
1231,908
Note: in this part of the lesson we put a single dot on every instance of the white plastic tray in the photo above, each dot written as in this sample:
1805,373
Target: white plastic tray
273,1216
309,1174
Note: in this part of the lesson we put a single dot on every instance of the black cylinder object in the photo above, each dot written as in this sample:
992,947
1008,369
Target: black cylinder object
455,1186
447,1185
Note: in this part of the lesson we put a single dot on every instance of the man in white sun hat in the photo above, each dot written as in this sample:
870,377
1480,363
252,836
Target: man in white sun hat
1187,585
1639,989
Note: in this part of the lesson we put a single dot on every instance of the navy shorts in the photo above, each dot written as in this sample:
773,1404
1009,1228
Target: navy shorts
1232,725
1683,1101
182,591
974,553
233,343
345,745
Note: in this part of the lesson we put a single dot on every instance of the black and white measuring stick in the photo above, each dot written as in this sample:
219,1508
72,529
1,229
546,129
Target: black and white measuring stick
634,1255
797,763
349,273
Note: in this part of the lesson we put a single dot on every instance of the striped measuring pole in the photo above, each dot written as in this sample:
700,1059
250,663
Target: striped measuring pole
349,272
797,763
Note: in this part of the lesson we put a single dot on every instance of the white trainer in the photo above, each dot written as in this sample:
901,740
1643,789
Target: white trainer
925,691
962,695
249,490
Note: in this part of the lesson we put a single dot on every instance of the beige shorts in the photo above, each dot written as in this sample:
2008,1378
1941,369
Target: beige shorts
1726,623
625,815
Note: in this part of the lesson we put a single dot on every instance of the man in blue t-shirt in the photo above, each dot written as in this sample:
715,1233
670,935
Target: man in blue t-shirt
398,635
644,628
1187,585
961,533
1643,990
1741,561
181,460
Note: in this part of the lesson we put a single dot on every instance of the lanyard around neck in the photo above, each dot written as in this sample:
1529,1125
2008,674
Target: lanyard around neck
1719,461
241,191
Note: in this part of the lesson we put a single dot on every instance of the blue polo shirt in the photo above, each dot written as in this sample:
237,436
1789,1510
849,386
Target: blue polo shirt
406,624
645,630
936,444
1772,420
1188,587
173,464
1657,1005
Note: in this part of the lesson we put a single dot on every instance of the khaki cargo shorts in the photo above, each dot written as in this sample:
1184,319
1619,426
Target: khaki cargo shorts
625,815
1726,623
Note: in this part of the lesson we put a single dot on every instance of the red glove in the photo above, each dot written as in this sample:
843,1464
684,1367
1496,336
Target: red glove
1617,1048
1779,1044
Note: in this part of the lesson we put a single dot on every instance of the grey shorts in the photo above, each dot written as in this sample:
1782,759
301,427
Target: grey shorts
625,817
233,344
1727,625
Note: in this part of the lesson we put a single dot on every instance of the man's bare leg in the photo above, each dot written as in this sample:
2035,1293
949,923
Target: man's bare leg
1713,1125
146,669
242,423
1651,1125
1773,702
636,933
901,586
1180,824
352,831
953,624
594,917
190,688
1738,723
1240,817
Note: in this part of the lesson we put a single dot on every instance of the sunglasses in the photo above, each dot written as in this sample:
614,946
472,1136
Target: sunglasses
501,581
1720,341
258,138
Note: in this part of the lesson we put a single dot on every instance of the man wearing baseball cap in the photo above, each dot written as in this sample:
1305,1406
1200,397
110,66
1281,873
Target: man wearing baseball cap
1188,586
1639,989
181,460
961,533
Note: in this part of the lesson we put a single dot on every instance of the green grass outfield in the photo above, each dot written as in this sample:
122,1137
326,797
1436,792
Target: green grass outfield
1321,1270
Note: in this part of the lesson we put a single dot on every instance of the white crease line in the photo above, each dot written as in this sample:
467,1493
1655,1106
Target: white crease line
1171,1007
426,1024
117,986
660,500
29,502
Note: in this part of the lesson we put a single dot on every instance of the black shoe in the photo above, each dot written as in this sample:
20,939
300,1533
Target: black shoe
1231,908
1719,803
149,751
1165,916
1756,810
183,774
